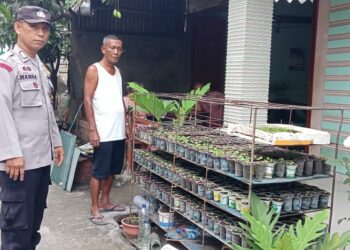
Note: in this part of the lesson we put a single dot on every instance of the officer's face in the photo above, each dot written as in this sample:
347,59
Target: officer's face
32,36
112,50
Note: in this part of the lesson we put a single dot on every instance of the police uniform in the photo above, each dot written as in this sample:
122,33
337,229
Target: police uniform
28,130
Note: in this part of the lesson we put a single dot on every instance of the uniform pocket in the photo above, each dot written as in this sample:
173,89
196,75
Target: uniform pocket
13,215
30,94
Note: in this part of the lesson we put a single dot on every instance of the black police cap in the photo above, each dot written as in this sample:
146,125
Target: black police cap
33,14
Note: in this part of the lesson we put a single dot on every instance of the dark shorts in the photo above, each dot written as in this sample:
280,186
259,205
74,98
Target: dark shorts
22,208
108,159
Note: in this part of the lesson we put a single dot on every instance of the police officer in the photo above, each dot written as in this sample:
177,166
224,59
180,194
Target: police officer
29,136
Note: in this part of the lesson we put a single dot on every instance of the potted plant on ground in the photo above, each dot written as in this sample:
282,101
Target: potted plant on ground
130,226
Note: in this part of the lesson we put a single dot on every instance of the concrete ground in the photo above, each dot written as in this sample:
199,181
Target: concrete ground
66,227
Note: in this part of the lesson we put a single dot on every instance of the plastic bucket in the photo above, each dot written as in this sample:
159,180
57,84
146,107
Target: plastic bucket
166,219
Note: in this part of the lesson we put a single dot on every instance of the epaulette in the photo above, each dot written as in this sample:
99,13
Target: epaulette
4,64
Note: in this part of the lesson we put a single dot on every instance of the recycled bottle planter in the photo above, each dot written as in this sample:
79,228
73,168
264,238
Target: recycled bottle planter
317,168
210,163
224,164
326,168
315,199
277,204
297,199
269,170
246,171
323,200
290,172
238,169
306,202
259,171
216,162
288,202
308,167
280,169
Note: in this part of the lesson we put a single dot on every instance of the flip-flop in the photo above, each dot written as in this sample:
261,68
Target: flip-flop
115,208
99,220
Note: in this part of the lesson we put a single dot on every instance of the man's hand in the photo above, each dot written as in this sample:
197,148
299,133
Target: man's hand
15,168
59,155
94,138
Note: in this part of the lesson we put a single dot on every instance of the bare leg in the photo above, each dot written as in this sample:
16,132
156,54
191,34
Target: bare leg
95,186
106,190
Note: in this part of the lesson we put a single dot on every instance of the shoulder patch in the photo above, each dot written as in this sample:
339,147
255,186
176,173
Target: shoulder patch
6,67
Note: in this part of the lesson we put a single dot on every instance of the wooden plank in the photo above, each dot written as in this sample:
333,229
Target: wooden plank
292,142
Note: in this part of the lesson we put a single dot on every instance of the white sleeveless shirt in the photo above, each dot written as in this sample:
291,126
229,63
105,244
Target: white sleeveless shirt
108,105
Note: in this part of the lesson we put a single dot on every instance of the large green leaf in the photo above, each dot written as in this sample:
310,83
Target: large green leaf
336,242
285,243
312,229
137,87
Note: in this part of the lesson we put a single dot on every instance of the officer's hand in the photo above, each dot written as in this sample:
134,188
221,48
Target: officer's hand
94,138
59,155
15,168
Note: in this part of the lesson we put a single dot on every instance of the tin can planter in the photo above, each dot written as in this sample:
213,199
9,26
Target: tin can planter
211,217
238,201
308,167
280,169
246,171
228,234
315,199
259,171
266,200
194,186
181,150
187,153
326,168
224,165
291,168
198,156
170,147
300,168
323,200
197,214
189,184
277,204
176,202
201,189
182,207
202,159
216,162
209,192
192,155
244,205
210,162
306,202
317,169
224,198
236,235
297,199
269,170
288,202
223,225
217,227
162,144
238,169
232,201
217,193
231,164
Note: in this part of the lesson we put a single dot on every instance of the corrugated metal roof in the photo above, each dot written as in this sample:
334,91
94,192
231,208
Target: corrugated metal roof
164,17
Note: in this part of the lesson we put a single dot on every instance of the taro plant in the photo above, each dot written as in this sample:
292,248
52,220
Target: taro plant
150,103
262,232
184,106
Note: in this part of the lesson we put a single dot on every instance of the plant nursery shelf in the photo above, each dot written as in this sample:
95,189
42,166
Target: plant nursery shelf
172,234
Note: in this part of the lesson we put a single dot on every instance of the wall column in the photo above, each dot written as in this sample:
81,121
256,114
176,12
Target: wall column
248,56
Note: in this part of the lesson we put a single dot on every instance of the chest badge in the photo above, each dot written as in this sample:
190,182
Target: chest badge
35,84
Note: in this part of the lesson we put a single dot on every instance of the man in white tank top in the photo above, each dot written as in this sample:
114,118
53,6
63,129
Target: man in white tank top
105,112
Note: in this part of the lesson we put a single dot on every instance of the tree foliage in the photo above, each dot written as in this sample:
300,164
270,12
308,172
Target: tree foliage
58,45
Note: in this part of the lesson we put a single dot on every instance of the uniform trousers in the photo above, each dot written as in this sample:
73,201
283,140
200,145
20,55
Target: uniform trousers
22,208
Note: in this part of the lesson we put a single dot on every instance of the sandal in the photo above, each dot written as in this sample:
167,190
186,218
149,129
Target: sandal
99,220
115,208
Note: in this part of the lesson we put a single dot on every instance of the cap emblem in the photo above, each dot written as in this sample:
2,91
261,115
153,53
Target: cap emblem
41,14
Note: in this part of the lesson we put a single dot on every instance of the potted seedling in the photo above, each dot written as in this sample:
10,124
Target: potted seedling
130,226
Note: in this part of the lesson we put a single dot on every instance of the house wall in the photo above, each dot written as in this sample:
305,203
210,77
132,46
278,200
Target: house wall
158,62
332,73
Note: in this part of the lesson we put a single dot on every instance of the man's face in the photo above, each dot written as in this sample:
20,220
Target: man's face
112,50
32,37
